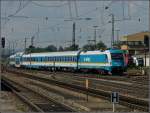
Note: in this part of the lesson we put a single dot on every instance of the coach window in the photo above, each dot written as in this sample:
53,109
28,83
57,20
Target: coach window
106,58
34,58
60,58
56,58
70,58
75,59
67,59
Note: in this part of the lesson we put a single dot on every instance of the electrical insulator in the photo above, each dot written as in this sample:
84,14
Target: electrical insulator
3,42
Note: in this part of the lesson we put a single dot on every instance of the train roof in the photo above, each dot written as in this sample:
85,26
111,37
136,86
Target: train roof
68,53
94,52
17,54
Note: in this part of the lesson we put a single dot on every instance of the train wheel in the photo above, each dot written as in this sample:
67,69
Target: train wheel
101,72
110,73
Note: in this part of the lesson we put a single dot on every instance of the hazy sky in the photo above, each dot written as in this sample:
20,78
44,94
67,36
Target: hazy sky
24,18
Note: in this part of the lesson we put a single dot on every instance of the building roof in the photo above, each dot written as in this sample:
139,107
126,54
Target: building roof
135,37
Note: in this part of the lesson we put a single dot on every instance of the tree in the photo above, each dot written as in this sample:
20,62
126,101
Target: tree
71,48
32,49
60,48
88,47
101,45
51,48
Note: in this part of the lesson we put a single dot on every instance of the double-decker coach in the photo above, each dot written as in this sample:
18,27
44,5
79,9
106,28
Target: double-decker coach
108,61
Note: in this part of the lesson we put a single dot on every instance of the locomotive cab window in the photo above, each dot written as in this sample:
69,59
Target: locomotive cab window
117,56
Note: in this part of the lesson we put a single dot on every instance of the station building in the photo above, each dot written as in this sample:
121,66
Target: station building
137,45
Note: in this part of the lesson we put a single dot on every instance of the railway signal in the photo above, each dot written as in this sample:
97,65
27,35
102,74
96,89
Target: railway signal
114,99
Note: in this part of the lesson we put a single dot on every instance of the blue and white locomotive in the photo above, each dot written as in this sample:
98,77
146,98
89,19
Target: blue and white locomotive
108,61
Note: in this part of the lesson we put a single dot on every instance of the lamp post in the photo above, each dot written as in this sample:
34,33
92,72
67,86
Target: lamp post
95,35
113,22
113,25
74,29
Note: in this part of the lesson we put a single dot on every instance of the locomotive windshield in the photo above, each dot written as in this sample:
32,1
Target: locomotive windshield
117,56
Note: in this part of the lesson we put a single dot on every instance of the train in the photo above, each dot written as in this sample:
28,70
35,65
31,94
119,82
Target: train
107,61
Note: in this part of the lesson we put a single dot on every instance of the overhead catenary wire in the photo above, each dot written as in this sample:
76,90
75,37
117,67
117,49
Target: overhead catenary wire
70,11
76,8
48,6
16,12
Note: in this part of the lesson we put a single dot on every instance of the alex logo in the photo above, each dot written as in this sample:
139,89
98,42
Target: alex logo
87,59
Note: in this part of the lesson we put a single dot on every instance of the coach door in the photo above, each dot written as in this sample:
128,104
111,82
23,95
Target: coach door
17,62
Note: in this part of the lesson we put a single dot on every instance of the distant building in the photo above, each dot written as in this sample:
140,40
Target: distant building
136,43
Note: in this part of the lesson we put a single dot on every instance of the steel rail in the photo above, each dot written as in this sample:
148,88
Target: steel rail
35,106
131,102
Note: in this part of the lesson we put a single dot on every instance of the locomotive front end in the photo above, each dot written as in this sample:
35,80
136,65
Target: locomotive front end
118,61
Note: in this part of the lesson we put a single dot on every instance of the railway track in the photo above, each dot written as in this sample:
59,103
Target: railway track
35,100
138,80
123,87
131,102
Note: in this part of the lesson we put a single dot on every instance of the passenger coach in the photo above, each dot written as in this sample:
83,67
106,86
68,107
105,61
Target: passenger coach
108,61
